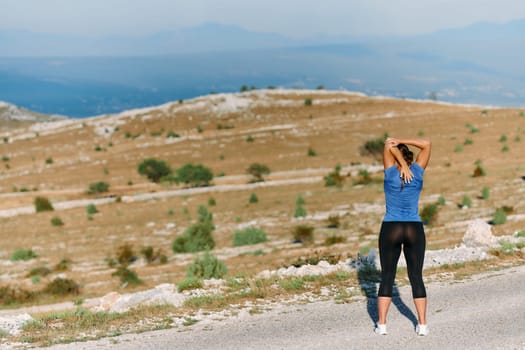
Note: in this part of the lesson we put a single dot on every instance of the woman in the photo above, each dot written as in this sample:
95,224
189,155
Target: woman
402,227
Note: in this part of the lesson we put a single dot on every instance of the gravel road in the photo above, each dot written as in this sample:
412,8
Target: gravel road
486,312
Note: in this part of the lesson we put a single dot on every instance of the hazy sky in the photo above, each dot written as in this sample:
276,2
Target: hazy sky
297,18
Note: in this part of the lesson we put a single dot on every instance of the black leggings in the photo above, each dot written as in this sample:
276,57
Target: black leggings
412,236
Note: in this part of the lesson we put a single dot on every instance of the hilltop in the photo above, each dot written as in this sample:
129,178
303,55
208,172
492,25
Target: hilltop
12,117
301,135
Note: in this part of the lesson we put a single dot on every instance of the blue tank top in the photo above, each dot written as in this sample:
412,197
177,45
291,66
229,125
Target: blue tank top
402,201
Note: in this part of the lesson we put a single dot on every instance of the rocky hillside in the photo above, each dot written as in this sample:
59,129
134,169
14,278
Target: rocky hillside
299,135
12,116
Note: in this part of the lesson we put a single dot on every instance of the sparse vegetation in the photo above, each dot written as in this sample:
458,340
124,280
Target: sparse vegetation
56,221
62,286
503,138
250,138
429,214
207,267
127,276
98,187
311,152
23,255
479,170
253,198
151,255
374,147
249,235
299,209
485,193
303,234
333,221
334,239
466,202
189,283
91,209
499,217
334,178
308,101
197,237
257,171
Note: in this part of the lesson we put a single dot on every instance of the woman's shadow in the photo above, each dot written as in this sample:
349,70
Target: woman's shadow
368,276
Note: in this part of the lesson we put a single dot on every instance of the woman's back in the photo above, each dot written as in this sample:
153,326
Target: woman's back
402,199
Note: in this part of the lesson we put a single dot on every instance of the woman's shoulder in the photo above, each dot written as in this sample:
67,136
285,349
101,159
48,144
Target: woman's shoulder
416,167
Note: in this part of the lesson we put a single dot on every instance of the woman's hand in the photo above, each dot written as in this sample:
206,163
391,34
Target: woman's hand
392,141
406,174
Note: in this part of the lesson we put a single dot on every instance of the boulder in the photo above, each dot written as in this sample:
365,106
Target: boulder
14,324
479,234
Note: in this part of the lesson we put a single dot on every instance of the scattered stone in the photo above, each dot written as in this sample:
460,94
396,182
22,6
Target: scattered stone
14,324
479,234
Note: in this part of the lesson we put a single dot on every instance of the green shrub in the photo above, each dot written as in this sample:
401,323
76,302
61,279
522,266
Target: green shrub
41,271
91,209
212,202
127,276
253,198
125,254
207,267
172,134
500,217
505,148
458,149
249,235
520,233
374,147
197,237
5,158
150,255
250,138
479,170
364,178
299,209
503,138
468,142
23,255
485,193
303,234
189,283
311,152
56,221
294,283
334,178
257,171
441,200
466,202
154,169
98,187
194,175
308,101
429,214
43,204
62,286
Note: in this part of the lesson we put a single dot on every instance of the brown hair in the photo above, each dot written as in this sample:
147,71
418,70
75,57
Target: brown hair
408,155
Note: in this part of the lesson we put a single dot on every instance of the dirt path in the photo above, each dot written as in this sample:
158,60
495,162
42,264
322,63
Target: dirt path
485,312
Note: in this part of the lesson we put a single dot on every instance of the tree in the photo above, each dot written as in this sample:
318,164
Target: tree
194,174
257,170
154,169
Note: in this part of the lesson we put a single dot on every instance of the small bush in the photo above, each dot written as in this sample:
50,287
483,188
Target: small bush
14,295
503,138
429,214
311,152
479,170
303,234
466,202
485,193
441,200
197,237
172,134
189,283
212,202
154,169
374,147
125,254
364,178
41,271
253,198
91,209
308,101
56,221
334,178
98,187
505,148
299,209
257,170
249,235
150,255
499,217
127,276
23,255
43,204
458,149
468,142
62,286
207,267
250,138
334,239
63,265
5,159
195,175
294,283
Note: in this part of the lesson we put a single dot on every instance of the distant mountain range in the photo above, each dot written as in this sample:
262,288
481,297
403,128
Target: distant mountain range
58,74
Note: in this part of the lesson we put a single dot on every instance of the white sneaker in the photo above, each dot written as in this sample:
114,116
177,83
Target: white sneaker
422,329
380,329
